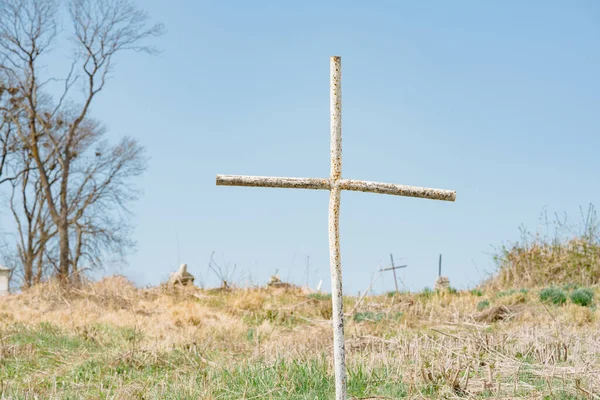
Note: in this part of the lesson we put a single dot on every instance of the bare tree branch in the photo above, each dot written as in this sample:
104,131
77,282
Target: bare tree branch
80,180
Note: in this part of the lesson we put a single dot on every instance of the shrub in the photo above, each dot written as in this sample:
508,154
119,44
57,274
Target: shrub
483,304
554,295
476,292
583,297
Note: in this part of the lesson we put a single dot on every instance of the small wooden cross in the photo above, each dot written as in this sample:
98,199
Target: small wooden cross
335,184
393,268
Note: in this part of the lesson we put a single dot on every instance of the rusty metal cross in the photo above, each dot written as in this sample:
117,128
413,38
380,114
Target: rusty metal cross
335,184
393,268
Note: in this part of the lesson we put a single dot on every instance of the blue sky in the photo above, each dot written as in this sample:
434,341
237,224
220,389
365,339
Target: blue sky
496,100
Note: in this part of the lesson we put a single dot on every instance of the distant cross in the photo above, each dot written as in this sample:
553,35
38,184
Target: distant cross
393,268
440,267
335,184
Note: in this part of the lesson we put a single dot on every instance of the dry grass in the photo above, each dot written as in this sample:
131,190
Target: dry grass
568,255
212,344
543,264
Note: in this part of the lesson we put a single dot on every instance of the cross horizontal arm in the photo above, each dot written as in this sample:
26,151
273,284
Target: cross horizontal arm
344,184
273,182
391,268
398,190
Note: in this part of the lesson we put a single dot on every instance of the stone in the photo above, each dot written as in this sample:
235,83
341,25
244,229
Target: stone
182,277
276,282
4,278
442,283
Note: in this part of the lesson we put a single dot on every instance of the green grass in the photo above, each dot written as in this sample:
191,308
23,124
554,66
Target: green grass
483,304
393,293
553,295
376,317
320,296
505,293
583,297
510,292
55,365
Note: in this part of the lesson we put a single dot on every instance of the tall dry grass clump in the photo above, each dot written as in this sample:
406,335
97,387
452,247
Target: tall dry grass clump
569,255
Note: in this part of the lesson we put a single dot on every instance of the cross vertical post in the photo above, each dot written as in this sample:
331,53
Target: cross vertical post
335,108
440,266
335,184
394,269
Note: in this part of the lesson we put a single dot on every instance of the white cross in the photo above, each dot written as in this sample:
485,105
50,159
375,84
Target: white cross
335,184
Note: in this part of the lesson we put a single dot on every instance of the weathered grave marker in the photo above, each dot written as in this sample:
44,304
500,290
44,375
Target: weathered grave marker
335,184
442,282
182,277
4,278
393,268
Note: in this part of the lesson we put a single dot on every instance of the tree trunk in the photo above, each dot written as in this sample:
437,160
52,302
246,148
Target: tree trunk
27,271
63,225
77,255
63,237
40,268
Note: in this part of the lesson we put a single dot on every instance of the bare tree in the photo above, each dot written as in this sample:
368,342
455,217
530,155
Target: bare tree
8,141
101,190
34,228
51,128
6,132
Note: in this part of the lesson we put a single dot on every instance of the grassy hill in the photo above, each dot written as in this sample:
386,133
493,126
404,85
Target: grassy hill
109,339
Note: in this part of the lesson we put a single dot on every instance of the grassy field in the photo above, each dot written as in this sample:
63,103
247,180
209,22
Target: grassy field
110,339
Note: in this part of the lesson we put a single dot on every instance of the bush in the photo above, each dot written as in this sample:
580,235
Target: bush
483,304
476,292
554,295
583,297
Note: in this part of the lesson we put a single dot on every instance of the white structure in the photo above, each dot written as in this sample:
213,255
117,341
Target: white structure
4,276
335,184
182,277
442,283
